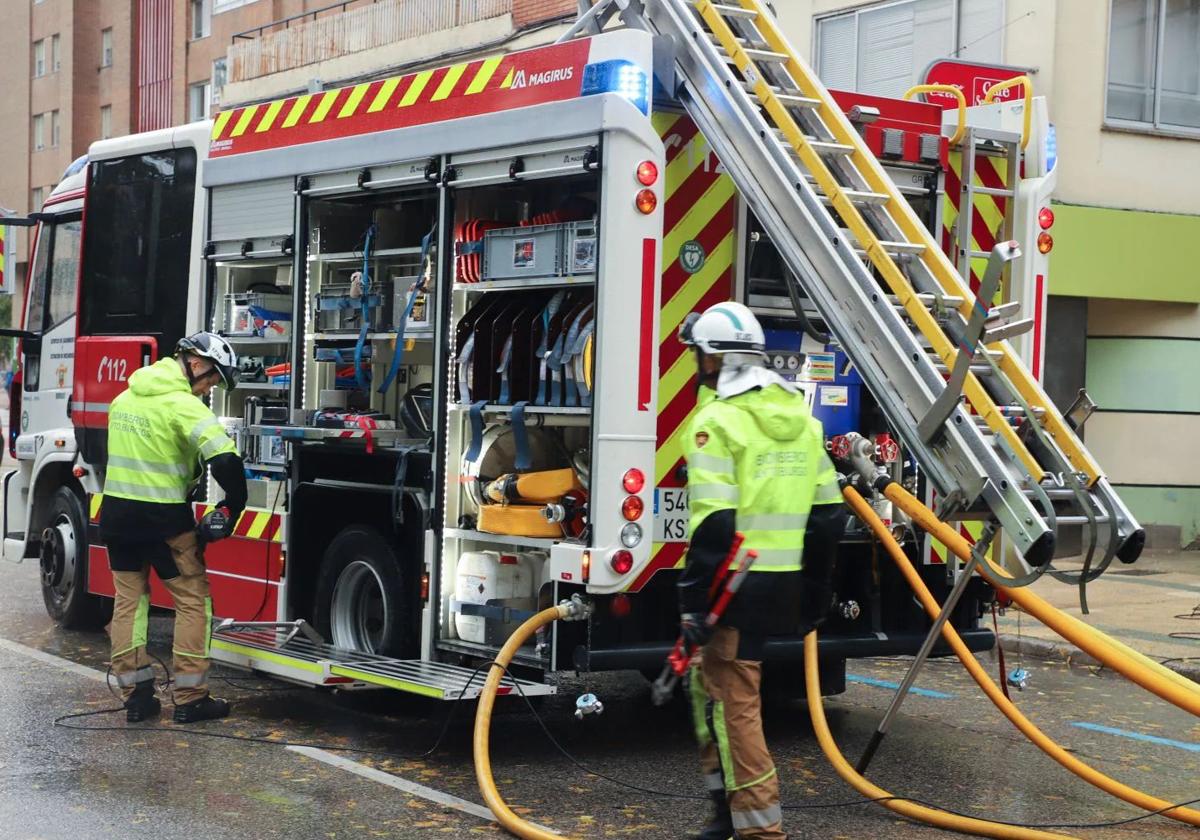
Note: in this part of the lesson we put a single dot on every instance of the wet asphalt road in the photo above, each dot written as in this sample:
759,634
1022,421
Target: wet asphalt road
949,747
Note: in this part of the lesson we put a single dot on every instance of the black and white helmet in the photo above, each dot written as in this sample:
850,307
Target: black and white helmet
216,349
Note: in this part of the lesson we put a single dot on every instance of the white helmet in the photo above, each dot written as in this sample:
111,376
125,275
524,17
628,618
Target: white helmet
216,349
724,328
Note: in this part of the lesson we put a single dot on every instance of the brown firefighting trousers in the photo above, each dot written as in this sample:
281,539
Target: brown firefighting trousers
727,712
193,622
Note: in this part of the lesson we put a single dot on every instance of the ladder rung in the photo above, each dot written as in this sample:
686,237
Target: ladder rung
858,197
789,98
760,55
1006,331
822,147
1102,519
914,248
995,354
734,12
929,301
978,370
977,190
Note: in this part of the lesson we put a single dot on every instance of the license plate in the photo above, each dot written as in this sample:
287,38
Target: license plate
670,514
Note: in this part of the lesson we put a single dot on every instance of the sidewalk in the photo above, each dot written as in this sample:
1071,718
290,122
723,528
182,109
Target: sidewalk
1135,604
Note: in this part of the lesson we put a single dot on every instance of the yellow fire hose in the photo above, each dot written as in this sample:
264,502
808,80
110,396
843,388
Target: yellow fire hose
1150,675
911,810
483,722
1084,771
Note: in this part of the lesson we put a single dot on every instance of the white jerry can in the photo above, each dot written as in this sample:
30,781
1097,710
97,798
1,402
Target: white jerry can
496,579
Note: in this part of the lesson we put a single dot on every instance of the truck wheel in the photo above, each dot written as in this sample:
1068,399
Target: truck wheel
62,554
364,598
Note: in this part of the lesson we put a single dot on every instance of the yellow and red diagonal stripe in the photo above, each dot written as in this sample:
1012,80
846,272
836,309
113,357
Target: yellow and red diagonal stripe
470,88
987,214
700,210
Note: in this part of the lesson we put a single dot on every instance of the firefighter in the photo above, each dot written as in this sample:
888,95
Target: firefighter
756,464
161,436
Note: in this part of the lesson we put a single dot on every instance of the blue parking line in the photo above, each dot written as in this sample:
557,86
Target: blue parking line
924,692
1137,736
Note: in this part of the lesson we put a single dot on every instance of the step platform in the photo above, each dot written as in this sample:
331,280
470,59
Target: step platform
294,652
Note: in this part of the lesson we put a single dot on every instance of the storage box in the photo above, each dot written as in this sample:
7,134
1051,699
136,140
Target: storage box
337,311
581,247
258,314
523,252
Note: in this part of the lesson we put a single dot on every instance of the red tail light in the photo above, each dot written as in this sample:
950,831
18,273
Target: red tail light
621,562
1045,218
646,202
633,481
647,173
14,413
1045,242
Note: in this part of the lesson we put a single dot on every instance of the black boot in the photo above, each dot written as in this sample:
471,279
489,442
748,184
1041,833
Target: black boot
720,823
142,703
206,708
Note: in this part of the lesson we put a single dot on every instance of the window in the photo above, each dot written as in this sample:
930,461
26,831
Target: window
52,282
39,132
199,96
39,58
219,75
55,54
35,199
885,48
105,122
201,18
225,5
1154,64
54,128
64,271
137,249
106,48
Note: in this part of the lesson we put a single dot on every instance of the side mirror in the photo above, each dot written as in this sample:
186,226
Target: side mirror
33,340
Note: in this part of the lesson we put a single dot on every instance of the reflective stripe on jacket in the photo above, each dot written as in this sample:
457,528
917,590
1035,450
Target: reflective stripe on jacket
761,454
159,434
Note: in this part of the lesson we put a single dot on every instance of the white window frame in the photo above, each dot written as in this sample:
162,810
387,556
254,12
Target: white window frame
39,58
106,47
55,129
105,122
55,53
39,132
1156,126
204,89
956,24
220,6
37,196
201,9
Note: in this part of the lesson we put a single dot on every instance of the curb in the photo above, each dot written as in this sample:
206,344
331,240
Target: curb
1071,655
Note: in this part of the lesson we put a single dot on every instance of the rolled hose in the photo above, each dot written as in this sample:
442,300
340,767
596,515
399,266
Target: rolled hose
911,810
483,722
1150,675
1084,771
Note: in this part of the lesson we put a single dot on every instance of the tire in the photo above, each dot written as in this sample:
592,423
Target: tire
365,597
62,558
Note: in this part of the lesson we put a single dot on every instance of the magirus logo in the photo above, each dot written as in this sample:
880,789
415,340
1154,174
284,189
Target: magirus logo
521,79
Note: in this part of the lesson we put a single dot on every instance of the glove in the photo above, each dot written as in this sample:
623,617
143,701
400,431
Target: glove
217,524
694,631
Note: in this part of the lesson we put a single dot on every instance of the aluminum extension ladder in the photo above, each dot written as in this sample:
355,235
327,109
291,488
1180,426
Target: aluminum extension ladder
898,306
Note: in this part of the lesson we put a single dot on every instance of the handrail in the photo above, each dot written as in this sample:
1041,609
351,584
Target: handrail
958,94
1013,82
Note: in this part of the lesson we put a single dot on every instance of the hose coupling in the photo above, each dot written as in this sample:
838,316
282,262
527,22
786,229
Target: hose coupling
576,609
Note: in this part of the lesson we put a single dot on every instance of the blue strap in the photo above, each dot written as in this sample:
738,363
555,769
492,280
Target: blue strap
360,375
269,314
523,460
505,360
398,355
555,361
476,415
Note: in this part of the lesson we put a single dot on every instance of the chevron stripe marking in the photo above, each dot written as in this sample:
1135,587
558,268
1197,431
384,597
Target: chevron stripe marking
448,82
486,71
219,124
269,118
352,101
324,106
414,90
298,107
384,95
508,80
244,121
94,506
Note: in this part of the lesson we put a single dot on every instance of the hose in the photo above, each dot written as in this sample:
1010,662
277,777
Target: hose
1150,675
483,721
911,810
1084,771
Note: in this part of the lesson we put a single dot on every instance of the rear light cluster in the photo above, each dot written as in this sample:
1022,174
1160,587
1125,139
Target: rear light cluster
632,509
646,174
1045,242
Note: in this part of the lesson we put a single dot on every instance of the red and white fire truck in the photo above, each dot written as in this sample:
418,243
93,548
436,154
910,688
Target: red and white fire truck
455,294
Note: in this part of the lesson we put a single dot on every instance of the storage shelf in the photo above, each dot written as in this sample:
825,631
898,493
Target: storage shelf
416,335
532,283
257,340
261,386
529,409
380,437
271,468
498,539
350,256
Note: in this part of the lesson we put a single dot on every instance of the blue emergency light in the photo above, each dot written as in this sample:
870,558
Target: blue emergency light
621,77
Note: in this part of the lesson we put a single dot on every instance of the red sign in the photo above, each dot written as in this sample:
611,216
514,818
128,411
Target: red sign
974,80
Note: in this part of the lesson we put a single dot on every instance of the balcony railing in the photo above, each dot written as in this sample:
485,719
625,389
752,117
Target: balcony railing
348,27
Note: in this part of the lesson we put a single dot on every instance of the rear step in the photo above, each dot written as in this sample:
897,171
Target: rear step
291,650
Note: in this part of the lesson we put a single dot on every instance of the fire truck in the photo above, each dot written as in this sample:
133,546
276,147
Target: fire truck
455,295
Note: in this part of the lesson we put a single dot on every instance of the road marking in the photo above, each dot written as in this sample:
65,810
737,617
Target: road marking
51,659
441,798
1137,736
923,692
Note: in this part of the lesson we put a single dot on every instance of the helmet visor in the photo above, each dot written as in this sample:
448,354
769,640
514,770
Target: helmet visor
686,329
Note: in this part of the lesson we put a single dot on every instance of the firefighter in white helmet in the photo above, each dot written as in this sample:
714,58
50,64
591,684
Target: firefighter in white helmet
756,465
